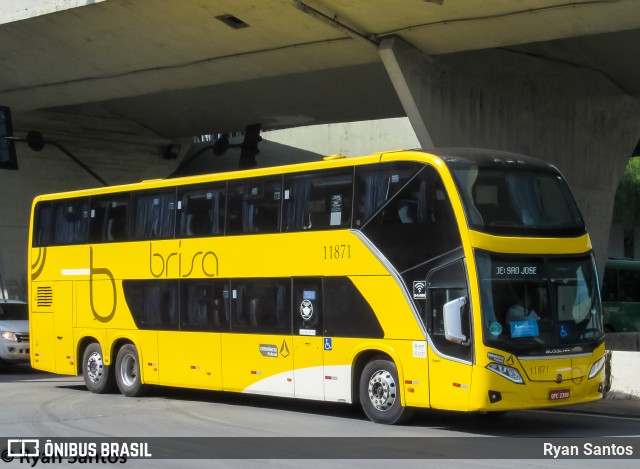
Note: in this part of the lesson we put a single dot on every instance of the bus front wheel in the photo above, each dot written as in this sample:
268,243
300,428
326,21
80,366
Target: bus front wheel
97,376
380,393
128,372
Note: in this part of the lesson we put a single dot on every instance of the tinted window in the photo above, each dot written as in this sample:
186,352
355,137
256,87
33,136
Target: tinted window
154,304
318,201
346,312
610,285
629,285
43,224
307,306
377,183
447,284
518,201
154,215
204,305
417,224
109,218
254,206
13,311
201,211
261,306
70,221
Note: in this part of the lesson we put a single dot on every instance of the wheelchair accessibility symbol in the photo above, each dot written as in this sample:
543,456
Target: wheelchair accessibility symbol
328,344
563,332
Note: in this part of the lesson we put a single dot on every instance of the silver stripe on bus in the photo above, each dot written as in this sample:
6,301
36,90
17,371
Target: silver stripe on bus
72,272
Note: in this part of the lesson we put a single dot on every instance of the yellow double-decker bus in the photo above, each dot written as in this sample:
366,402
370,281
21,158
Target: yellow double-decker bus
451,279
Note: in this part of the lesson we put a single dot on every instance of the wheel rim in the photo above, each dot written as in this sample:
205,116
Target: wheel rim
95,367
128,370
382,390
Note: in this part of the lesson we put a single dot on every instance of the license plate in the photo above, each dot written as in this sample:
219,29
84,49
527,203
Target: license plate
558,394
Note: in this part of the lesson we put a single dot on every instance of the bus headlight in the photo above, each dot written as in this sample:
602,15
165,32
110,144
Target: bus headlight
8,335
596,367
507,372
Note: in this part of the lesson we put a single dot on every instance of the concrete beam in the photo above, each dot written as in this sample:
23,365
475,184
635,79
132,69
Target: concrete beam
406,67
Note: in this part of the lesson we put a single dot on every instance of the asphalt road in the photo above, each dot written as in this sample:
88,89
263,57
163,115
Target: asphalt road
34,404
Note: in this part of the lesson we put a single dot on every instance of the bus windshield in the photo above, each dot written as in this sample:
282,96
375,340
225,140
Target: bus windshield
533,304
519,200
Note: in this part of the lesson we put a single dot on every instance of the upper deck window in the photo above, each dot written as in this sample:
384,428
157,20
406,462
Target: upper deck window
154,215
254,206
71,219
520,201
320,200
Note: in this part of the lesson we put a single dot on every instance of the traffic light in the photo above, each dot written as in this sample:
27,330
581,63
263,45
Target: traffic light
8,159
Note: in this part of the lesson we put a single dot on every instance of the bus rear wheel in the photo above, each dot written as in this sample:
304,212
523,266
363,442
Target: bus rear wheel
380,394
128,372
98,377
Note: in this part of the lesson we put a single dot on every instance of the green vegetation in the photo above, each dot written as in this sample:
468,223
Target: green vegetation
626,208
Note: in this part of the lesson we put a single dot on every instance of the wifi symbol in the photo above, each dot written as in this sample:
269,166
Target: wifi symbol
419,289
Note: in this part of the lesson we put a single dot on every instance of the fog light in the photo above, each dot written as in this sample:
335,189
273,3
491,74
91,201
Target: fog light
495,396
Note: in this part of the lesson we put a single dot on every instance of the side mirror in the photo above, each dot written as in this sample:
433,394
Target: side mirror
453,321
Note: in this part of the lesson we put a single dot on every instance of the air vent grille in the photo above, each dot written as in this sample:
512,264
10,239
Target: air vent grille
44,297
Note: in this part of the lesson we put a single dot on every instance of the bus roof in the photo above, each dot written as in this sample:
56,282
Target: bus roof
448,155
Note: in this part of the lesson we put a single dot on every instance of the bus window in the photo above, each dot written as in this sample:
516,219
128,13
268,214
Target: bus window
154,216
517,200
421,216
71,221
261,306
621,296
254,206
153,303
377,183
204,305
529,303
610,285
109,216
318,200
201,211
43,224
307,306
446,284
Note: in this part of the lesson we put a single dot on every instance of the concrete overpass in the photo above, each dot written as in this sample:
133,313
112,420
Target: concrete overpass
116,81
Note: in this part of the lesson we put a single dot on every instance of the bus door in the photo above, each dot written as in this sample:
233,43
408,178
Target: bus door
308,364
63,328
449,362
257,356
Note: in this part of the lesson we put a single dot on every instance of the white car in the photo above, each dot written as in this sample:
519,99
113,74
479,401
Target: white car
14,332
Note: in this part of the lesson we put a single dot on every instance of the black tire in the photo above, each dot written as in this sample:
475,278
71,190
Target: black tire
98,377
380,393
128,372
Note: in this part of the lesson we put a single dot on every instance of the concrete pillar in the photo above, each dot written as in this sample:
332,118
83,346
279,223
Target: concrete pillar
573,117
406,67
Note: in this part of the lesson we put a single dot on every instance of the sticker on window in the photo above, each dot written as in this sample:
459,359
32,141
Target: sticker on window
419,290
524,329
495,328
306,309
336,210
